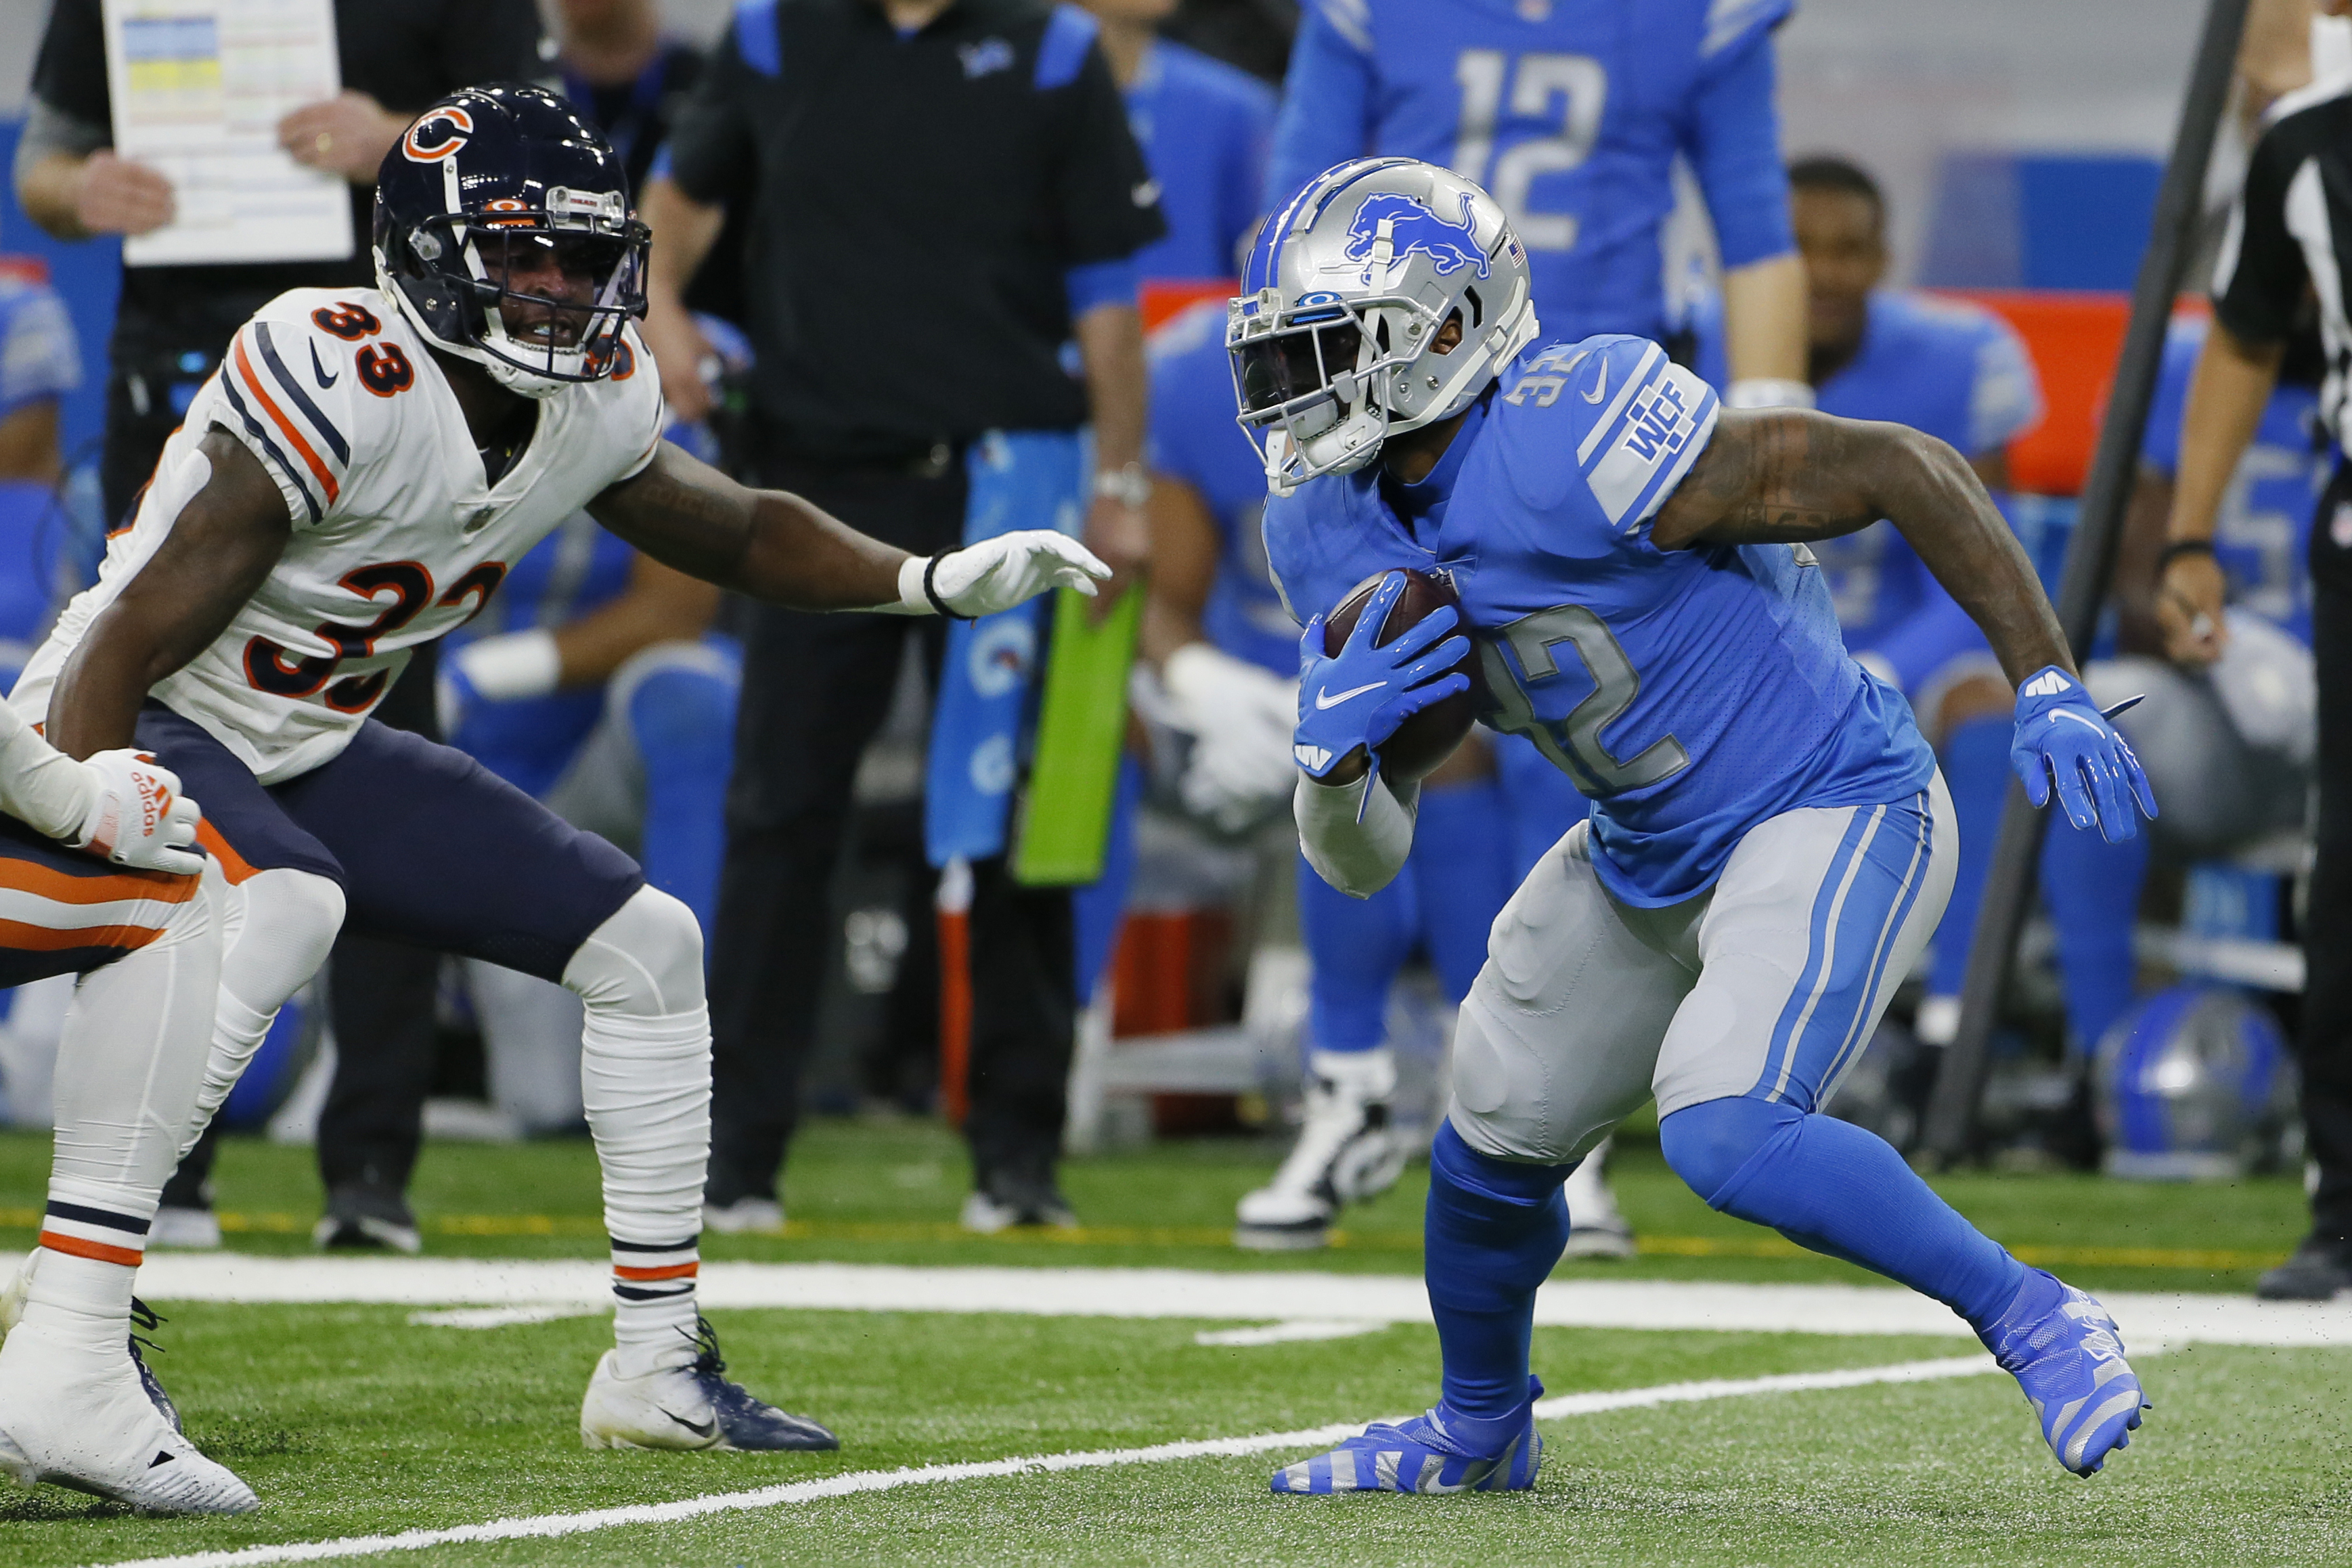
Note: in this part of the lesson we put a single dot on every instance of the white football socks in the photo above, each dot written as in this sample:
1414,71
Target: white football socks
276,928
645,1079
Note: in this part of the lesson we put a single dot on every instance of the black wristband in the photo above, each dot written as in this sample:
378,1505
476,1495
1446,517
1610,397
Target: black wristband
2178,547
931,593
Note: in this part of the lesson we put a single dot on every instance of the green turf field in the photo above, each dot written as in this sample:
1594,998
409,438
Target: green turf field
348,1421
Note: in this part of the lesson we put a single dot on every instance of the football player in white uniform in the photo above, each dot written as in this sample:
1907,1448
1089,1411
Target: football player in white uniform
76,1403
353,482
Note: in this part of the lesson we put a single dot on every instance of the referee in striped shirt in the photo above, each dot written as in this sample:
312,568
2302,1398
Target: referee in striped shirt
2287,241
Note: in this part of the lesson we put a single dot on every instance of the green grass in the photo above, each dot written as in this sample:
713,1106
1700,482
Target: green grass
888,1192
348,1421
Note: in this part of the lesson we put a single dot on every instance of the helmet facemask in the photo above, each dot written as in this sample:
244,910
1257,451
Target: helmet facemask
452,280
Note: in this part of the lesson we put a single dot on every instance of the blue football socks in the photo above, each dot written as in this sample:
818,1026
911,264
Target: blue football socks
1494,1230
1831,1186
1976,769
1462,874
2091,888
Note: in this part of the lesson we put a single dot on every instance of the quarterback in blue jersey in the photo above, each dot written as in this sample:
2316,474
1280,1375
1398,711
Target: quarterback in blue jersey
1203,127
1227,653
1770,843
2230,740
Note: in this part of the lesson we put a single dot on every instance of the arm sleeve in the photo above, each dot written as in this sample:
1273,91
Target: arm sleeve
497,41
2258,278
1326,98
301,431
70,75
710,155
1735,150
39,785
1108,203
2005,399
38,358
1358,858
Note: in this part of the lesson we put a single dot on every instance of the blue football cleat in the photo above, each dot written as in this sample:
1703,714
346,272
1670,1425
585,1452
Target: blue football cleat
2064,1352
1421,1456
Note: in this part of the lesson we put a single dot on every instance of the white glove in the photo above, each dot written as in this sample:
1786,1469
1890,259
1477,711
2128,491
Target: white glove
999,573
1241,717
138,817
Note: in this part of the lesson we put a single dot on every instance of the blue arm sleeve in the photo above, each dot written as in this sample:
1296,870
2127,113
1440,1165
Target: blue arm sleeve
1326,106
1735,150
1100,283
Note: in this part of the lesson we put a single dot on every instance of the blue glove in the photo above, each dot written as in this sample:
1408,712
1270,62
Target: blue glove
1358,697
2061,735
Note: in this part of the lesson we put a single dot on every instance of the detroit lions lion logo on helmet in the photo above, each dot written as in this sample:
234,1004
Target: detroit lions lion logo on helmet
1413,225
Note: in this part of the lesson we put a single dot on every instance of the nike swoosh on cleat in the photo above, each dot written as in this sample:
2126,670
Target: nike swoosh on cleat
699,1428
1324,699
1600,388
319,369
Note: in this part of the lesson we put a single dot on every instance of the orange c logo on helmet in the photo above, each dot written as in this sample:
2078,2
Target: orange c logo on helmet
455,128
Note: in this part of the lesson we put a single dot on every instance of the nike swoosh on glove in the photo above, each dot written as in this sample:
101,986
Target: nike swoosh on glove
999,573
1358,697
2062,739
138,817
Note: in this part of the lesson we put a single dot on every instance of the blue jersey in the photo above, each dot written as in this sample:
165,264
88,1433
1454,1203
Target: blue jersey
1571,113
1204,128
529,742
1950,369
2264,528
1193,438
1690,694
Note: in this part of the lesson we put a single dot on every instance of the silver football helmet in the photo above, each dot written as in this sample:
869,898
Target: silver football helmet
1345,293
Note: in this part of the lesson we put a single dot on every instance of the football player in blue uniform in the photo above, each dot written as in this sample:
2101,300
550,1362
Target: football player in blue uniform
1574,113
1959,374
2231,736
1770,844
1228,656
1203,127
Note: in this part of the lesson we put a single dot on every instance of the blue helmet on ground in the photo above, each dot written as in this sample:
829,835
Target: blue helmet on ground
2193,1083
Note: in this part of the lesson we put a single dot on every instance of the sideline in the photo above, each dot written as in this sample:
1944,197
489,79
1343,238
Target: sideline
548,1525
1294,1296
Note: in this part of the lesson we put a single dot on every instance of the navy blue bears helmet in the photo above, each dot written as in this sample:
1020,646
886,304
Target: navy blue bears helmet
504,180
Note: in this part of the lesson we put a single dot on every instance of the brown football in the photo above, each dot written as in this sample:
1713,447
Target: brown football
1422,743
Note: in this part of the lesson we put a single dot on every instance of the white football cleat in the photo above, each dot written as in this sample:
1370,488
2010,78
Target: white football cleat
1347,1152
691,1406
1595,1229
745,1216
77,1418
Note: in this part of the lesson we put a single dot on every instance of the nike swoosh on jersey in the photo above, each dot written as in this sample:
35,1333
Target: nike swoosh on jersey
1600,388
319,369
1325,700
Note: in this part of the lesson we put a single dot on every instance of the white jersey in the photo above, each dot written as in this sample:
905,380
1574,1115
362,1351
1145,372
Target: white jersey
398,539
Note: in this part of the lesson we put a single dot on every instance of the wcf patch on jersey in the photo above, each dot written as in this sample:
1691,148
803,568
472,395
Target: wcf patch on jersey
1659,420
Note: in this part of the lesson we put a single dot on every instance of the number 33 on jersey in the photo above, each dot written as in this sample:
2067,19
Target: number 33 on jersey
397,536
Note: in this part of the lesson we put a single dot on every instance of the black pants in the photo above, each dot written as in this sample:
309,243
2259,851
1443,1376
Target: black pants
815,690
380,999
2325,1042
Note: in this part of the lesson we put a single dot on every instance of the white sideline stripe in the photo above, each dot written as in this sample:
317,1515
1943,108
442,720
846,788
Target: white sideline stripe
545,1525
1287,1334
495,1317
2180,1318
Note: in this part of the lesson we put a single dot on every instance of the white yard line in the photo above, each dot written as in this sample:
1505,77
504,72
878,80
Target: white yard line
1291,1333
547,1525
1242,1298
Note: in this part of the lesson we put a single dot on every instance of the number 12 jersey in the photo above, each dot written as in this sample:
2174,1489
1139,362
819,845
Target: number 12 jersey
398,537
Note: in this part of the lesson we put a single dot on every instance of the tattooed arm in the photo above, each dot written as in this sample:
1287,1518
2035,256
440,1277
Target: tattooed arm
1782,476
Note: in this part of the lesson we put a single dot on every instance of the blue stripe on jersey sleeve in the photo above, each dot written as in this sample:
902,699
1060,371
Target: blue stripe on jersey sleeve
757,38
1062,53
1100,283
320,422
1730,22
253,426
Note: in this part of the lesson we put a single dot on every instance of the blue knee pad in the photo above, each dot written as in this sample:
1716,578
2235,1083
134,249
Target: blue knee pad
1831,1186
1356,946
1492,1231
683,720
1462,875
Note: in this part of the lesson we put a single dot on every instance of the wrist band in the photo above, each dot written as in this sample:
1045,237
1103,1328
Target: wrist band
930,589
2180,548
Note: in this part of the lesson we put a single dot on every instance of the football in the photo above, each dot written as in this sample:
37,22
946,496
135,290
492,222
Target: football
1422,743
